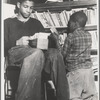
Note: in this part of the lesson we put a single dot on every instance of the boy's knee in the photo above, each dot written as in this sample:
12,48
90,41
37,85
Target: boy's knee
38,53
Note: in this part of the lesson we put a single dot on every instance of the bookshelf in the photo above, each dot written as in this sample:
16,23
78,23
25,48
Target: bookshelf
87,28
65,8
68,6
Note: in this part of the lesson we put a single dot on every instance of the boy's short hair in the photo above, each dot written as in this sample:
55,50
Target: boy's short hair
79,17
24,0
21,1
35,1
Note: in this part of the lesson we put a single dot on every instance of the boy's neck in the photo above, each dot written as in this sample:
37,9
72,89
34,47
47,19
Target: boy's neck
22,19
79,28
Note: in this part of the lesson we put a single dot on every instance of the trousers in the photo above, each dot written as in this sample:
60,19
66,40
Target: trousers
54,65
30,81
82,85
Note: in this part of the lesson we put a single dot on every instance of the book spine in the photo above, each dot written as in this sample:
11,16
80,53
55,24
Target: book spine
54,18
65,17
46,16
51,18
59,20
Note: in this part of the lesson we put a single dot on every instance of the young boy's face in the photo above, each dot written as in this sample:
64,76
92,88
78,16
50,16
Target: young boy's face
25,8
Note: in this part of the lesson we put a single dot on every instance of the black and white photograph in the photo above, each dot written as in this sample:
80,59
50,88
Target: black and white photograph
50,50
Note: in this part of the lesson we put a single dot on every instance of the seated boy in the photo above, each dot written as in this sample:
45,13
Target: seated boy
17,32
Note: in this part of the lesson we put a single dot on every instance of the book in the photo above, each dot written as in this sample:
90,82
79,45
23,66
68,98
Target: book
53,24
63,19
42,40
94,39
54,17
42,43
59,19
43,20
48,17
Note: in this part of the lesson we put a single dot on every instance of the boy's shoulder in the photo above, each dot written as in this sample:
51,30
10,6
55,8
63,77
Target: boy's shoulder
9,20
80,31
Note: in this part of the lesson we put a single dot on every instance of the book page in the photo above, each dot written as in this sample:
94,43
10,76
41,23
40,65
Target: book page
42,39
42,43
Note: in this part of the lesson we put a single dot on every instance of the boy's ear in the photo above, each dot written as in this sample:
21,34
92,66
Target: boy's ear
18,4
74,26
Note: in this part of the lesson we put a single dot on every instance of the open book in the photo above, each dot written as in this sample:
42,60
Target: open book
42,40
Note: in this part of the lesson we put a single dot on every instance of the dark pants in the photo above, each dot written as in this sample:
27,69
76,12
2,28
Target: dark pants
54,65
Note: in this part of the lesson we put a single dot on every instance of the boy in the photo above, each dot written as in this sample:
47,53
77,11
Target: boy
16,39
16,32
76,53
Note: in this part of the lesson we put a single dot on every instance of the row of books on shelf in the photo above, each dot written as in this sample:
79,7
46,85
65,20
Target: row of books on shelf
60,19
95,41
95,62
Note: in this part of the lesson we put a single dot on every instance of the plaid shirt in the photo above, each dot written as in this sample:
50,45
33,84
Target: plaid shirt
77,49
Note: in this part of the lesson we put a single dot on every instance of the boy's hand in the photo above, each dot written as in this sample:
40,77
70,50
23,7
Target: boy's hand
23,41
54,33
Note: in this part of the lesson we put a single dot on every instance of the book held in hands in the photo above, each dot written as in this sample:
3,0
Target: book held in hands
42,40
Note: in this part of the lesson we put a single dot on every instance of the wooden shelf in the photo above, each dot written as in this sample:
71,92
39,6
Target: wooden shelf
56,6
91,28
87,28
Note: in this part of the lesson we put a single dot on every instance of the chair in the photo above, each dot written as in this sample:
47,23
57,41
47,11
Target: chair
11,76
7,88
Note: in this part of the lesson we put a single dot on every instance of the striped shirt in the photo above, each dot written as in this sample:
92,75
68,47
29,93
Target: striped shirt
77,49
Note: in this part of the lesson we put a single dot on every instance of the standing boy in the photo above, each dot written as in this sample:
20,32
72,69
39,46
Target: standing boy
76,53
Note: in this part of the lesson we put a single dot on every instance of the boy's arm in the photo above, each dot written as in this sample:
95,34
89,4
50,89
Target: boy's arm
55,35
67,44
65,47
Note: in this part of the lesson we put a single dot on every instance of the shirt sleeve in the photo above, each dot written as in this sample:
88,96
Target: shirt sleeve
67,45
